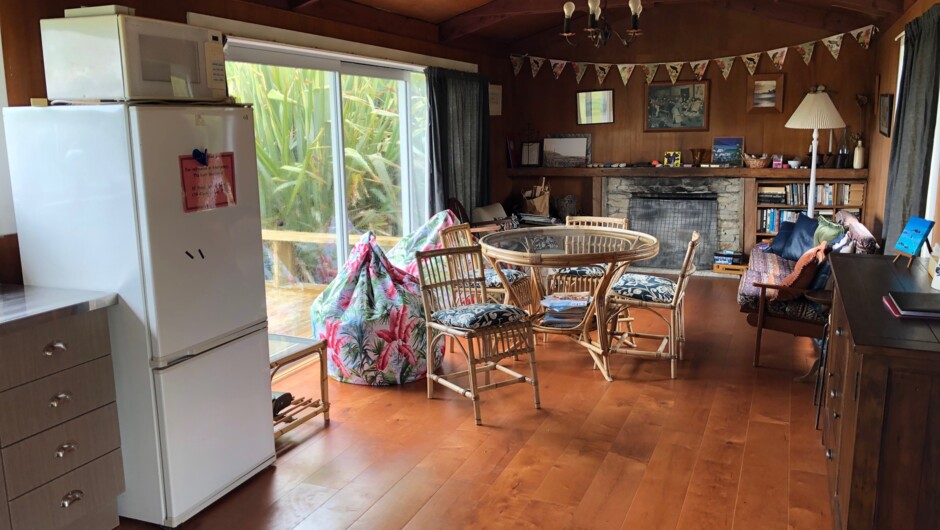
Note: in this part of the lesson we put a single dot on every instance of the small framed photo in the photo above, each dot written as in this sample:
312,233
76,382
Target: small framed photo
885,110
531,154
682,106
567,150
672,159
728,151
595,107
765,93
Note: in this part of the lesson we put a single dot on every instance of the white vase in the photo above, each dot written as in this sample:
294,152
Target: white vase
859,161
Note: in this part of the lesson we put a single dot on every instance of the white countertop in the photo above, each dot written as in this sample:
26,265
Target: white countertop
21,304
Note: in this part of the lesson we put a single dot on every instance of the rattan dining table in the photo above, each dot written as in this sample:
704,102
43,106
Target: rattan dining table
572,246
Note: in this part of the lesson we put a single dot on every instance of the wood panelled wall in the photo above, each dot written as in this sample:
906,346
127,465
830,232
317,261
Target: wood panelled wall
887,57
544,105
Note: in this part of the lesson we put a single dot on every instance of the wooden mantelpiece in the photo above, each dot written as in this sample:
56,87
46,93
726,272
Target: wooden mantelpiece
679,172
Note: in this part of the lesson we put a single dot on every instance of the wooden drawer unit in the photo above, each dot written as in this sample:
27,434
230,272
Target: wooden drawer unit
72,498
52,346
53,453
33,407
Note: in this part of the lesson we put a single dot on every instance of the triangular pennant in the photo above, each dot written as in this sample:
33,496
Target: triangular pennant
750,61
806,51
579,69
863,35
674,69
558,66
601,70
650,71
834,43
536,63
516,61
698,68
778,56
724,64
626,70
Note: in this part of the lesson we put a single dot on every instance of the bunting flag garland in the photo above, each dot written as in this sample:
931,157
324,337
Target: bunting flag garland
750,61
558,66
650,71
724,64
626,70
674,69
698,68
579,69
601,70
806,50
834,43
863,35
778,56
517,61
536,63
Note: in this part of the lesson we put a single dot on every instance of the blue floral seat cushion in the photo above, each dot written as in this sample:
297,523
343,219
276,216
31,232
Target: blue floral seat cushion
646,288
476,316
589,271
512,276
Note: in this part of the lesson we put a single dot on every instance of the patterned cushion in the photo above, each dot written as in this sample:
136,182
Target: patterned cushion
590,271
646,288
476,316
512,276
803,273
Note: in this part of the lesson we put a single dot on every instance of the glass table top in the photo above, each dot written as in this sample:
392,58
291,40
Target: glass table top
282,346
568,245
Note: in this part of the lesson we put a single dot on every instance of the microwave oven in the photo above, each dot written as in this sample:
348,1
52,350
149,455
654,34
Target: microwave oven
125,58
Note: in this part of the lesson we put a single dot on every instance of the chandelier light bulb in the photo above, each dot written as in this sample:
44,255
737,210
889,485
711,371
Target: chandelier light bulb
568,8
594,7
636,7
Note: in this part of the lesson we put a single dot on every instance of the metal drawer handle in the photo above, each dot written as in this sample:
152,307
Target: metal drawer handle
53,347
60,398
71,498
66,448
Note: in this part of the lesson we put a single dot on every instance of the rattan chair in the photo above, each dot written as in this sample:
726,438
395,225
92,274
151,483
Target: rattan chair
577,279
653,293
456,306
521,284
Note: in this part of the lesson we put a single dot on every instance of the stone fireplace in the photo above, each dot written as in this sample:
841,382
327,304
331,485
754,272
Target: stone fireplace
670,208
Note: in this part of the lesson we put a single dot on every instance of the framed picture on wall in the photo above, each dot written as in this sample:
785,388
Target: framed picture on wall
567,150
765,93
682,106
885,109
595,107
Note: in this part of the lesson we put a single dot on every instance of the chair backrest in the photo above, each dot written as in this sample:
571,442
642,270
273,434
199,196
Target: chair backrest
688,265
451,277
605,222
457,236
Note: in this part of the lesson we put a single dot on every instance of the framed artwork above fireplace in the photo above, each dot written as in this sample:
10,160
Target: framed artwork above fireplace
682,106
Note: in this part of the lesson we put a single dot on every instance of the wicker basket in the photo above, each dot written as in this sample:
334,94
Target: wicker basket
757,163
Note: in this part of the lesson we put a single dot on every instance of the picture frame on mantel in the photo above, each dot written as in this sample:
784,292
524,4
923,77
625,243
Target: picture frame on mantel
682,106
566,150
765,93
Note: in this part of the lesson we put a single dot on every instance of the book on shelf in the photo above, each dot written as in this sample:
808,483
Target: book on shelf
891,304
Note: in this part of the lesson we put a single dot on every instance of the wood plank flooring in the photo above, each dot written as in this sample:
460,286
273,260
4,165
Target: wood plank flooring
725,445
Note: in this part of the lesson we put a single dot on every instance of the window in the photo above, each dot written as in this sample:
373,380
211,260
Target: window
342,150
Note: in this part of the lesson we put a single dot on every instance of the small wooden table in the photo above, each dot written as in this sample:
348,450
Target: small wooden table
284,350
572,246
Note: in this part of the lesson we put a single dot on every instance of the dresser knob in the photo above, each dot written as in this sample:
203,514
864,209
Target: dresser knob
840,332
835,415
71,498
833,393
828,454
831,375
66,448
54,347
60,399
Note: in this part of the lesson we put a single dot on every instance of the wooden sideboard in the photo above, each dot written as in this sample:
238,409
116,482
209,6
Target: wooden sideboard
881,430
60,457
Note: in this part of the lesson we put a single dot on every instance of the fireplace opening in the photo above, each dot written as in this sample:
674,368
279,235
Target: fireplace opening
671,217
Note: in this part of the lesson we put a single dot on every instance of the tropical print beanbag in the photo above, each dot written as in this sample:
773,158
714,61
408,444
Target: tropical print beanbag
372,319
428,237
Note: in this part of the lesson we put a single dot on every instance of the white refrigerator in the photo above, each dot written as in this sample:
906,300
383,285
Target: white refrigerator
159,203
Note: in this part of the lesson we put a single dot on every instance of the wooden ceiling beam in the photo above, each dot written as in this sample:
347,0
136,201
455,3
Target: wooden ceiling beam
876,8
368,17
801,14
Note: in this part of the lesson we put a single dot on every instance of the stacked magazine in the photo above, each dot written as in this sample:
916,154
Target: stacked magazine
565,310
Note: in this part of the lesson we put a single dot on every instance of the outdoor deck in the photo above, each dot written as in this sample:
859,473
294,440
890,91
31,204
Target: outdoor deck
289,309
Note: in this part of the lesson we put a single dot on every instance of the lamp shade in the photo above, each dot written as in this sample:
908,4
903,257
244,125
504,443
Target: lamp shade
816,112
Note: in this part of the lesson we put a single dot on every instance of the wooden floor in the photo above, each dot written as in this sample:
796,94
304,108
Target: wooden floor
723,446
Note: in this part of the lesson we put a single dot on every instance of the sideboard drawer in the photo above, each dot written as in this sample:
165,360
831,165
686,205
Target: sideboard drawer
37,351
66,501
53,453
36,406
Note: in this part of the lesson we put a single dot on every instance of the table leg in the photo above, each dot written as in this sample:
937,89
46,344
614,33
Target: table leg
324,387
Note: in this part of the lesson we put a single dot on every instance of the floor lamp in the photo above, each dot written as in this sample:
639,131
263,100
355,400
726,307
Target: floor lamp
815,112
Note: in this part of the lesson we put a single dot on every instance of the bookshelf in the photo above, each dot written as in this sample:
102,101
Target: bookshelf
783,200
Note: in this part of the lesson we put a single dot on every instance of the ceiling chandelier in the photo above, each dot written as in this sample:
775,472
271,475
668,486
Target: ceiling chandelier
599,29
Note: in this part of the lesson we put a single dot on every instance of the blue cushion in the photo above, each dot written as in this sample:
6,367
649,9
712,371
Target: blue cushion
801,239
646,288
590,271
476,316
782,237
821,277
512,276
